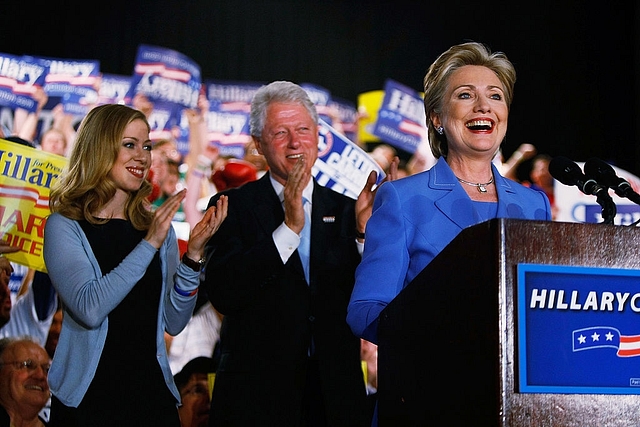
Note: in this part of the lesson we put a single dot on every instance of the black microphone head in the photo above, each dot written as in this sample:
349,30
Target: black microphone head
602,172
566,171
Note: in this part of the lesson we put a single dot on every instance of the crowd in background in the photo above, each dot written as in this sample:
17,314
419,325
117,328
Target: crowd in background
203,172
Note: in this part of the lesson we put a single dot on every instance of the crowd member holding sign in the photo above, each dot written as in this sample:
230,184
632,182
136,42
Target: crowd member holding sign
32,312
287,356
467,95
116,268
32,307
5,277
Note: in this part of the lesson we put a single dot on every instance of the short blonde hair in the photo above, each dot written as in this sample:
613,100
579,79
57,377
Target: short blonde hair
437,79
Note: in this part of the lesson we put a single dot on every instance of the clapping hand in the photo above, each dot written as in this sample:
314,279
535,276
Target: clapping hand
364,204
293,206
162,219
207,227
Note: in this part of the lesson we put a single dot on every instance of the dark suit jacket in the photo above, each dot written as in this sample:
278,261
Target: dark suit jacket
271,314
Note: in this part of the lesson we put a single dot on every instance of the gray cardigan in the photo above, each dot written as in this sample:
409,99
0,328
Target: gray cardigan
88,297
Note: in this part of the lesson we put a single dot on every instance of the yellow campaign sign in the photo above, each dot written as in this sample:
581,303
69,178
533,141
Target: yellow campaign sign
368,105
26,177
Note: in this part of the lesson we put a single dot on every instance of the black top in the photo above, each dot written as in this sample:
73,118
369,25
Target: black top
128,387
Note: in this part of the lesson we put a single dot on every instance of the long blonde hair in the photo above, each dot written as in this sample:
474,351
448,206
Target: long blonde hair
85,185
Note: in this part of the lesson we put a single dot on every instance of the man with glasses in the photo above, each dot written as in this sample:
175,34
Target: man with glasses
24,390
195,392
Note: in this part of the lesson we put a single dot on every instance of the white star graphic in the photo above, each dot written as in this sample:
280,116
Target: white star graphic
595,337
582,339
609,336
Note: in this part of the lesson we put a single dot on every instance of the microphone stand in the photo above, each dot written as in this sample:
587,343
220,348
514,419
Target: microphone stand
608,206
603,198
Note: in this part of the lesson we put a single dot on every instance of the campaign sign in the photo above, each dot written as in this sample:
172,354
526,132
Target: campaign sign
347,115
369,104
401,118
166,76
228,130
578,329
113,89
74,81
232,95
20,78
341,164
26,177
164,120
321,98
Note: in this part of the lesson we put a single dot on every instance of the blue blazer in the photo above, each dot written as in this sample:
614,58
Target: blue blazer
413,219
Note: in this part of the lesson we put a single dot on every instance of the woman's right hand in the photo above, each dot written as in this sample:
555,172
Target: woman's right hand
162,219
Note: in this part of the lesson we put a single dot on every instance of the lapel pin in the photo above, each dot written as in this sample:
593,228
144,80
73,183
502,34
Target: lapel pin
327,219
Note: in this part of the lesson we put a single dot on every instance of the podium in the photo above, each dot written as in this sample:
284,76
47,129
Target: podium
447,350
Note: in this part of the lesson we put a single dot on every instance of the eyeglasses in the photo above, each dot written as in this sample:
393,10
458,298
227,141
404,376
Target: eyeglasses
197,389
29,365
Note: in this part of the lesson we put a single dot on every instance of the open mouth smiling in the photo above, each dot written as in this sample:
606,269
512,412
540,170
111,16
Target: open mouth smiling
137,172
480,125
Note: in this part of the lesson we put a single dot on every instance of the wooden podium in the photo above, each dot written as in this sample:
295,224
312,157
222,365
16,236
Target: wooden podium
447,344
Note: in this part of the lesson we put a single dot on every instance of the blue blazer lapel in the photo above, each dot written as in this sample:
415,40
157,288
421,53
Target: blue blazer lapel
454,202
506,193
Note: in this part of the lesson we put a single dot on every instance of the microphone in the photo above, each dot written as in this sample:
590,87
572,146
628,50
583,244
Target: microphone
569,173
606,175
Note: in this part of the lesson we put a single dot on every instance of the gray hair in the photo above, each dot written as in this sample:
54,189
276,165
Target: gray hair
278,91
6,342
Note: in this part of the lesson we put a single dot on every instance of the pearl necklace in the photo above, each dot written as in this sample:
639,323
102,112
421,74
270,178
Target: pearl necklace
482,188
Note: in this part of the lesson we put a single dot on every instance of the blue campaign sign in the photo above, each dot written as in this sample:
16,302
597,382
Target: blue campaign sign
578,329
401,118
165,75
113,88
20,79
232,95
341,164
75,82
228,130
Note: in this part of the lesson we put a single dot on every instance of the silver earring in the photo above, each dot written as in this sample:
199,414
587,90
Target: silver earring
440,130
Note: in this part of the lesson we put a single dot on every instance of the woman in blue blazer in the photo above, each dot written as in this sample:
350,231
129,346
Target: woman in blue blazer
468,93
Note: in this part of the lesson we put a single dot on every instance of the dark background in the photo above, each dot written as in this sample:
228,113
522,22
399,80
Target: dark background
577,92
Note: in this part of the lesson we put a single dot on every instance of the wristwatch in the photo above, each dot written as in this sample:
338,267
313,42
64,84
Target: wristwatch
194,265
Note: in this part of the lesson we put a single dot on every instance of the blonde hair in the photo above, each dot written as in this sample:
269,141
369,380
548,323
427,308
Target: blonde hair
85,186
437,79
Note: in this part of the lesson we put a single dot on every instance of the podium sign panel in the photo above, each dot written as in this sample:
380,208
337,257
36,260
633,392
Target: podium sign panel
578,329
462,344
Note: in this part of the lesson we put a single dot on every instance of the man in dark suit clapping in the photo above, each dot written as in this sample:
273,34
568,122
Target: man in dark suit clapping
287,355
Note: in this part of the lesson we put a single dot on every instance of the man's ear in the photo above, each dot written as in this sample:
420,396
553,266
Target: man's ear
256,142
